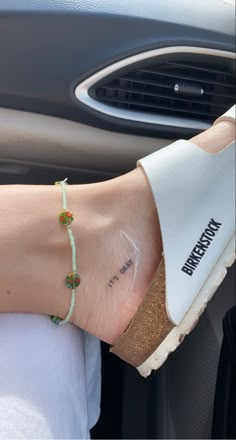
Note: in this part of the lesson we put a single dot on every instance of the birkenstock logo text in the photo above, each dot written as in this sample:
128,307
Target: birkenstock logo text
201,247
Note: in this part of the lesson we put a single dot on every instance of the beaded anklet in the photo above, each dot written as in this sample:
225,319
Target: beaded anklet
72,281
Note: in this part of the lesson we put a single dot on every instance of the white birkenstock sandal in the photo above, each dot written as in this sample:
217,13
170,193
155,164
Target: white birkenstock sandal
194,192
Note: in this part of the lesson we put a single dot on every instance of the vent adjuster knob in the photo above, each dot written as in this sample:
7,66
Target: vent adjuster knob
184,88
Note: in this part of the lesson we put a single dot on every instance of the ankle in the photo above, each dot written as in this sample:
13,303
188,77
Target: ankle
118,241
116,222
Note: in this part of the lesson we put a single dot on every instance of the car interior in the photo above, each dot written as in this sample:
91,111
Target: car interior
87,87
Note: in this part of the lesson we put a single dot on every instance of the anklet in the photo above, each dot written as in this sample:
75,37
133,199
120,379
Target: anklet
72,281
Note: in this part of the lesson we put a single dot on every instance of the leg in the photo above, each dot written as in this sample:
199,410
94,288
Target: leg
109,232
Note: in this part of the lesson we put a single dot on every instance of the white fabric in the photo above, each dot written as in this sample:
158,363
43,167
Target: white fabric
190,187
49,379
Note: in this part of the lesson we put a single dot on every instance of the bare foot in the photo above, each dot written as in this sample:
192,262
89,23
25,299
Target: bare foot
119,248
119,244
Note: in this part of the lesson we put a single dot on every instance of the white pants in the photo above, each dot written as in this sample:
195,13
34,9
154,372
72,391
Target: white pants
49,379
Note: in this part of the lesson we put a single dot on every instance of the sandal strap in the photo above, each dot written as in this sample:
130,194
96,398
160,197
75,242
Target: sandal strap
194,193
230,115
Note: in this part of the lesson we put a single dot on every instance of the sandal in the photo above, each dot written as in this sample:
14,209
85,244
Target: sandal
195,195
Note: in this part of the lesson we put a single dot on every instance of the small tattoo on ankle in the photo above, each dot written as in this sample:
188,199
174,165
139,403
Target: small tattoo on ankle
126,266
112,281
123,270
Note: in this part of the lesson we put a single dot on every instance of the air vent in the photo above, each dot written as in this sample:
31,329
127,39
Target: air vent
185,87
173,88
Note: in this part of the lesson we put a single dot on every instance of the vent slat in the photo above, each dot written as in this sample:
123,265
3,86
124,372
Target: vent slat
181,77
154,95
203,69
145,81
159,84
221,95
141,104
206,89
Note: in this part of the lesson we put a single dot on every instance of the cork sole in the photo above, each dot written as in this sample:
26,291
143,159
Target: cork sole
177,334
149,326
151,336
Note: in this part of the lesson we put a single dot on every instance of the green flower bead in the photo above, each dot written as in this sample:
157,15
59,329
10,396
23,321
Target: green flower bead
72,280
65,218
55,319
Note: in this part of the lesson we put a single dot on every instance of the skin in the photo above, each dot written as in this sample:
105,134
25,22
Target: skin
35,252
